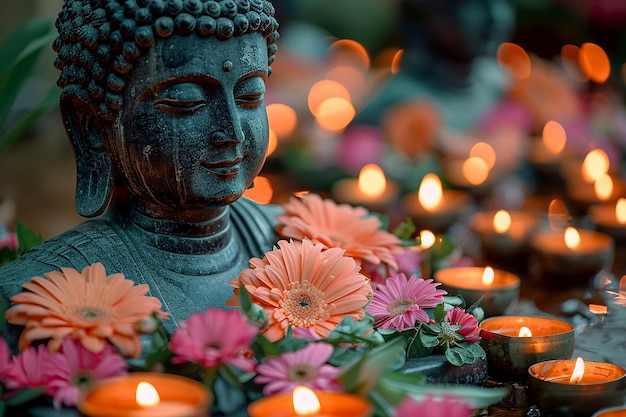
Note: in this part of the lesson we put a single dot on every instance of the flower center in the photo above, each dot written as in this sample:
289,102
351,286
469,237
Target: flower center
400,306
91,313
82,379
303,304
301,372
448,331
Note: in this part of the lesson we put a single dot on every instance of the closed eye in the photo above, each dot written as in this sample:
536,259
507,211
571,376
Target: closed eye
250,100
179,106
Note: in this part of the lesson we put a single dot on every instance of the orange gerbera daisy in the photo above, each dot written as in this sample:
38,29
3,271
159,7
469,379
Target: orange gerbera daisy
89,306
339,225
303,284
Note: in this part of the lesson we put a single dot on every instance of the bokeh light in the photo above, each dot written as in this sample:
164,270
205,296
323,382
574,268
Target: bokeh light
514,59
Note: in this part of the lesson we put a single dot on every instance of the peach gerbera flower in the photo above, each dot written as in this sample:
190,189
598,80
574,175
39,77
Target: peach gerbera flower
303,284
89,306
339,225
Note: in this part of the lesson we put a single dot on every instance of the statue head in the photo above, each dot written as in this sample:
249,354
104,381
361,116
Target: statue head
165,97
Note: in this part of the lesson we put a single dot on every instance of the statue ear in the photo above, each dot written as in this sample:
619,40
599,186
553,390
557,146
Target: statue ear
94,172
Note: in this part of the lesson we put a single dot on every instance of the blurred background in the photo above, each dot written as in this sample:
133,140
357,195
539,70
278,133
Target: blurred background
407,85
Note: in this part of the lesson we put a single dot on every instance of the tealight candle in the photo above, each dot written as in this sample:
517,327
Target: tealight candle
513,343
147,394
306,402
611,412
572,256
607,188
610,218
576,387
371,189
499,289
503,233
434,208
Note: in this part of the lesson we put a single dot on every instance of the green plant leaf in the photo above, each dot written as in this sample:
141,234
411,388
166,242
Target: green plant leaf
428,340
26,238
439,313
23,396
454,357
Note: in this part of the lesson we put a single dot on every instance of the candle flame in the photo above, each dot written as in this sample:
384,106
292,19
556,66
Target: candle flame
525,332
427,239
620,211
603,187
430,193
502,221
475,169
578,372
488,276
147,395
305,402
372,181
571,237
554,137
595,164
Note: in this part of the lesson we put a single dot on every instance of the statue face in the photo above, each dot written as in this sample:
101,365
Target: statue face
193,130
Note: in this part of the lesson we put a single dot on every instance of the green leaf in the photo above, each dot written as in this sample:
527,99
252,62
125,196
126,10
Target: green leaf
428,340
439,313
416,348
24,395
476,350
26,238
454,357
465,354
406,230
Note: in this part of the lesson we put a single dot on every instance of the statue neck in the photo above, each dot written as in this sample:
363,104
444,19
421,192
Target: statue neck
180,231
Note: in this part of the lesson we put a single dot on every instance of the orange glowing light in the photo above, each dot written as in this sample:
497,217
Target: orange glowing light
594,62
570,60
525,332
349,52
350,77
514,59
430,192
554,137
323,90
262,192
558,215
603,187
372,181
282,119
475,170
305,402
146,395
578,372
571,237
427,239
595,164
620,211
301,193
484,151
396,61
502,221
598,309
488,276
334,114
272,143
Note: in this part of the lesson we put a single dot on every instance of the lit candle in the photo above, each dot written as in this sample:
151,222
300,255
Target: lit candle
548,148
513,343
610,218
611,412
503,233
306,402
434,208
371,189
426,241
499,289
572,256
576,387
144,394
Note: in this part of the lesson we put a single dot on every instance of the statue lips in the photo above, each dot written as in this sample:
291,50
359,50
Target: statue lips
225,168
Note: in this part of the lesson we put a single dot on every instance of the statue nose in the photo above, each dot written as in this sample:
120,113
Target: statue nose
221,137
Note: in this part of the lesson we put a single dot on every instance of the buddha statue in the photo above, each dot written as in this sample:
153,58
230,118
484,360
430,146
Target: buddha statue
163,103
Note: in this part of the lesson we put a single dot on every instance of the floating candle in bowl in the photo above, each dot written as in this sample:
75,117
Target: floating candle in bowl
499,289
513,343
572,256
434,208
147,394
576,387
503,233
610,218
306,402
371,189
611,412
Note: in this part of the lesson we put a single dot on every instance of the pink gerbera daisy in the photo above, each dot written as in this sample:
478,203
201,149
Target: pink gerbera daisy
74,370
28,369
469,325
303,284
339,226
5,361
400,301
447,406
213,337
306,367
